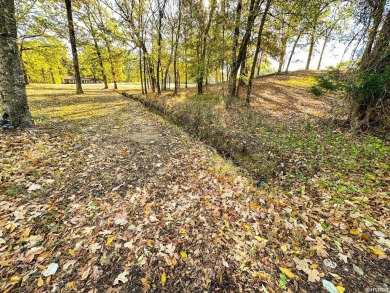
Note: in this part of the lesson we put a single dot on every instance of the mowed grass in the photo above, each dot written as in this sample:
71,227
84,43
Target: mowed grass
55,104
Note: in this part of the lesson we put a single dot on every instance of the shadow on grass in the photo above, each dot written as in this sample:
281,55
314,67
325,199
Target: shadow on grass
54,107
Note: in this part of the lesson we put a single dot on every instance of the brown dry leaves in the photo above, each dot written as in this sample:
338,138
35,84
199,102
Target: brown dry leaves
118,215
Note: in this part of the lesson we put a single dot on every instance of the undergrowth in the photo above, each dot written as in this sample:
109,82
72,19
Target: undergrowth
345,164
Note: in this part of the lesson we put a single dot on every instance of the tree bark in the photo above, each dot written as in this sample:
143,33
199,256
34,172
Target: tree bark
175,52
140,71
237,61
160,18
233,72
145,77
202,59
322,51
258,47
293,50
72,37
12,86
311,48
282,53
111,61
379,56
377,14
96,45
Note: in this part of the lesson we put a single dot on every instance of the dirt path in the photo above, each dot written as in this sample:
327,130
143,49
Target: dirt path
124,202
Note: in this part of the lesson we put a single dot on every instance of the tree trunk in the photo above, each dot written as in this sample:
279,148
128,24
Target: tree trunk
97,48
258,47
186,73
160,17
239,60
293,50
282,54
233,71
243,73
377,19
111,61
12,87
140,71
145,77
379,56
311,48
202,60
175,52
72,37
99,54
322,51
53,81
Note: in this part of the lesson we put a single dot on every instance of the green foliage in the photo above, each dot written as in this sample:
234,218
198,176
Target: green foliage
370,86
331,80
315,91
15,190
267,150
45,60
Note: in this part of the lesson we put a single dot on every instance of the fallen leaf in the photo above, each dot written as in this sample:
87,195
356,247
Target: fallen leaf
341,289
329,286
34,187
380,234
68,264
183,254
109,240
343,257
121,278
163,278
85,273
15,279
355,232
287,272
40,282
94,247
282,281
303,264
72,285
313,275
153,219
120,222
71,252
358,270
329,263
262,277
377,251
260,239
51,269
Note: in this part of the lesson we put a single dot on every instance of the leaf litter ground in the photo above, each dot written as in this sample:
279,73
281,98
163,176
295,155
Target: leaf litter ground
103,196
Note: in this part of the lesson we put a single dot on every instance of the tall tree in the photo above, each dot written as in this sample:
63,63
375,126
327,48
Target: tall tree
239,59
205,18
12,85
258,47
88,21
72,37
175,70
161,12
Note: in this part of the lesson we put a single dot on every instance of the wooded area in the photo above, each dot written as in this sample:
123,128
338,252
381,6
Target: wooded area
274,180
159,43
